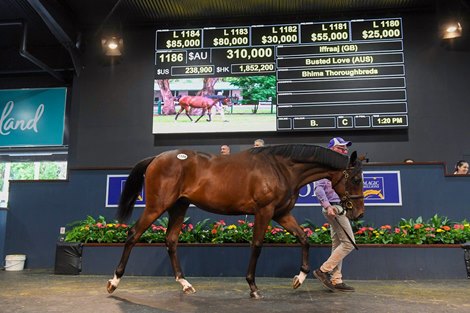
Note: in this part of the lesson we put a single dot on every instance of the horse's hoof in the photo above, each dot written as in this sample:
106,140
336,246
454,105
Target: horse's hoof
189,290
110,287
296,282
256,295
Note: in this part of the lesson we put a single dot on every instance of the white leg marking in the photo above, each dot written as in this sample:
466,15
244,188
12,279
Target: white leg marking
187,287
115,281
302,277
298,280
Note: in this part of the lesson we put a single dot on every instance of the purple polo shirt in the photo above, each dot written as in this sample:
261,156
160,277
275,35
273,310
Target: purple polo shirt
325,192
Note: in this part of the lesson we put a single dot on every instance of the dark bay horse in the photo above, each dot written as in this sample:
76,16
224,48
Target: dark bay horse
263,182
202,102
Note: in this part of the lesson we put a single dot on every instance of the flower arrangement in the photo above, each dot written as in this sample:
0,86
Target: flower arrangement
437,230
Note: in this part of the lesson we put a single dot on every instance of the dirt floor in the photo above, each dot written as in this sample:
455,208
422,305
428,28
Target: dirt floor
41,291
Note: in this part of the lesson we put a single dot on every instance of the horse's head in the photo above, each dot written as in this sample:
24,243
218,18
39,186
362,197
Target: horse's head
348,184
227,101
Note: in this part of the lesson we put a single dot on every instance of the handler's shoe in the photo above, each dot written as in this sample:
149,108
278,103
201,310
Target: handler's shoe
325,279
343,287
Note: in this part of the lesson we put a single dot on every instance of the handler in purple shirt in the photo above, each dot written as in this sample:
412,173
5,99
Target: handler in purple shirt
329,272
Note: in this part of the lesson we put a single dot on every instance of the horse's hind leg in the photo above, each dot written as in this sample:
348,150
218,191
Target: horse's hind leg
179,112
145,220
176,218
187,112
290,224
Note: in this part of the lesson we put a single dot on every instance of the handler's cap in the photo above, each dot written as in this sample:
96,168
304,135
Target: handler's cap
338,141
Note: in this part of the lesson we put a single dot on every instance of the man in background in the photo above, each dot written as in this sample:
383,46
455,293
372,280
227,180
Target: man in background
258,143
224,150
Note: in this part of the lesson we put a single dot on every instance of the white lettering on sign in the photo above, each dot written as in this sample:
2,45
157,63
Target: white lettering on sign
7,124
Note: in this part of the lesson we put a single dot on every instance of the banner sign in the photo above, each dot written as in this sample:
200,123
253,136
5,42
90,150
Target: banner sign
114,187
381,188
32,117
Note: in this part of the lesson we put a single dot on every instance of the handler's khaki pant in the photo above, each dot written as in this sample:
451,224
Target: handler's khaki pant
341,246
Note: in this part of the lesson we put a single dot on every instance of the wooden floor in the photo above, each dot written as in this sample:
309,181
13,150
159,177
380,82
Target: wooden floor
41,291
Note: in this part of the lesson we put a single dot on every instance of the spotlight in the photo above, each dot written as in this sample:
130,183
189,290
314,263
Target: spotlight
112,46
452,30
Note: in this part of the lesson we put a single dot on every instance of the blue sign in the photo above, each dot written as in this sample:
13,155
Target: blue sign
114,187
32,117
381,188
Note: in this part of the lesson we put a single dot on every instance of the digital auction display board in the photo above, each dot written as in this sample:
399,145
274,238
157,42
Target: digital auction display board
347,74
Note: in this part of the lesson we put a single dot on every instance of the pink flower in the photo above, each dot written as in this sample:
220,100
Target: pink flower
308,231
241,222
100,225
397,230
458,226
250,224
190,227
158,228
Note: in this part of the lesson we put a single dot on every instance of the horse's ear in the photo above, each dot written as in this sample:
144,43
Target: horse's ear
353,158
363,158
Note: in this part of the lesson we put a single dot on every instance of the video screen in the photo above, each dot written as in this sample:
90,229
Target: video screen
215,104
327,75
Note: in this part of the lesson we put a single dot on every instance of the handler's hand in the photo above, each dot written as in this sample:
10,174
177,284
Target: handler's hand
331,211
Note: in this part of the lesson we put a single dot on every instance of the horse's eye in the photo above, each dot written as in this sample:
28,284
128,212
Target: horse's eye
357,180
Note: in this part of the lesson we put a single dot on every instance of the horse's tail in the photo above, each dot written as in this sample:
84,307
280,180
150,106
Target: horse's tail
131,190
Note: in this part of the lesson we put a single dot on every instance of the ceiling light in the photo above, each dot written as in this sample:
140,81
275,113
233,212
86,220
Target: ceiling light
452,30
112,46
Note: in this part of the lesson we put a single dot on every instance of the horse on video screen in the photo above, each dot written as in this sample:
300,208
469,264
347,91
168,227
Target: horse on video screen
203,102
264,182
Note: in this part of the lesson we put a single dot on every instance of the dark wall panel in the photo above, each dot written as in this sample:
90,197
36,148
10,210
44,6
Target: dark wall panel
112,107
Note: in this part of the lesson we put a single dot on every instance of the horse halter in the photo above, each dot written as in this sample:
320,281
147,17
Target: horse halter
346,200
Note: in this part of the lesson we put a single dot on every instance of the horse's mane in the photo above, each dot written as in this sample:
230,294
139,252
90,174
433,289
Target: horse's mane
306,153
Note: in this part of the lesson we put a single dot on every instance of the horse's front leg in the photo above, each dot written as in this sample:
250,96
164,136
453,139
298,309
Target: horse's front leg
259,230
290,224
132,238
176,218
